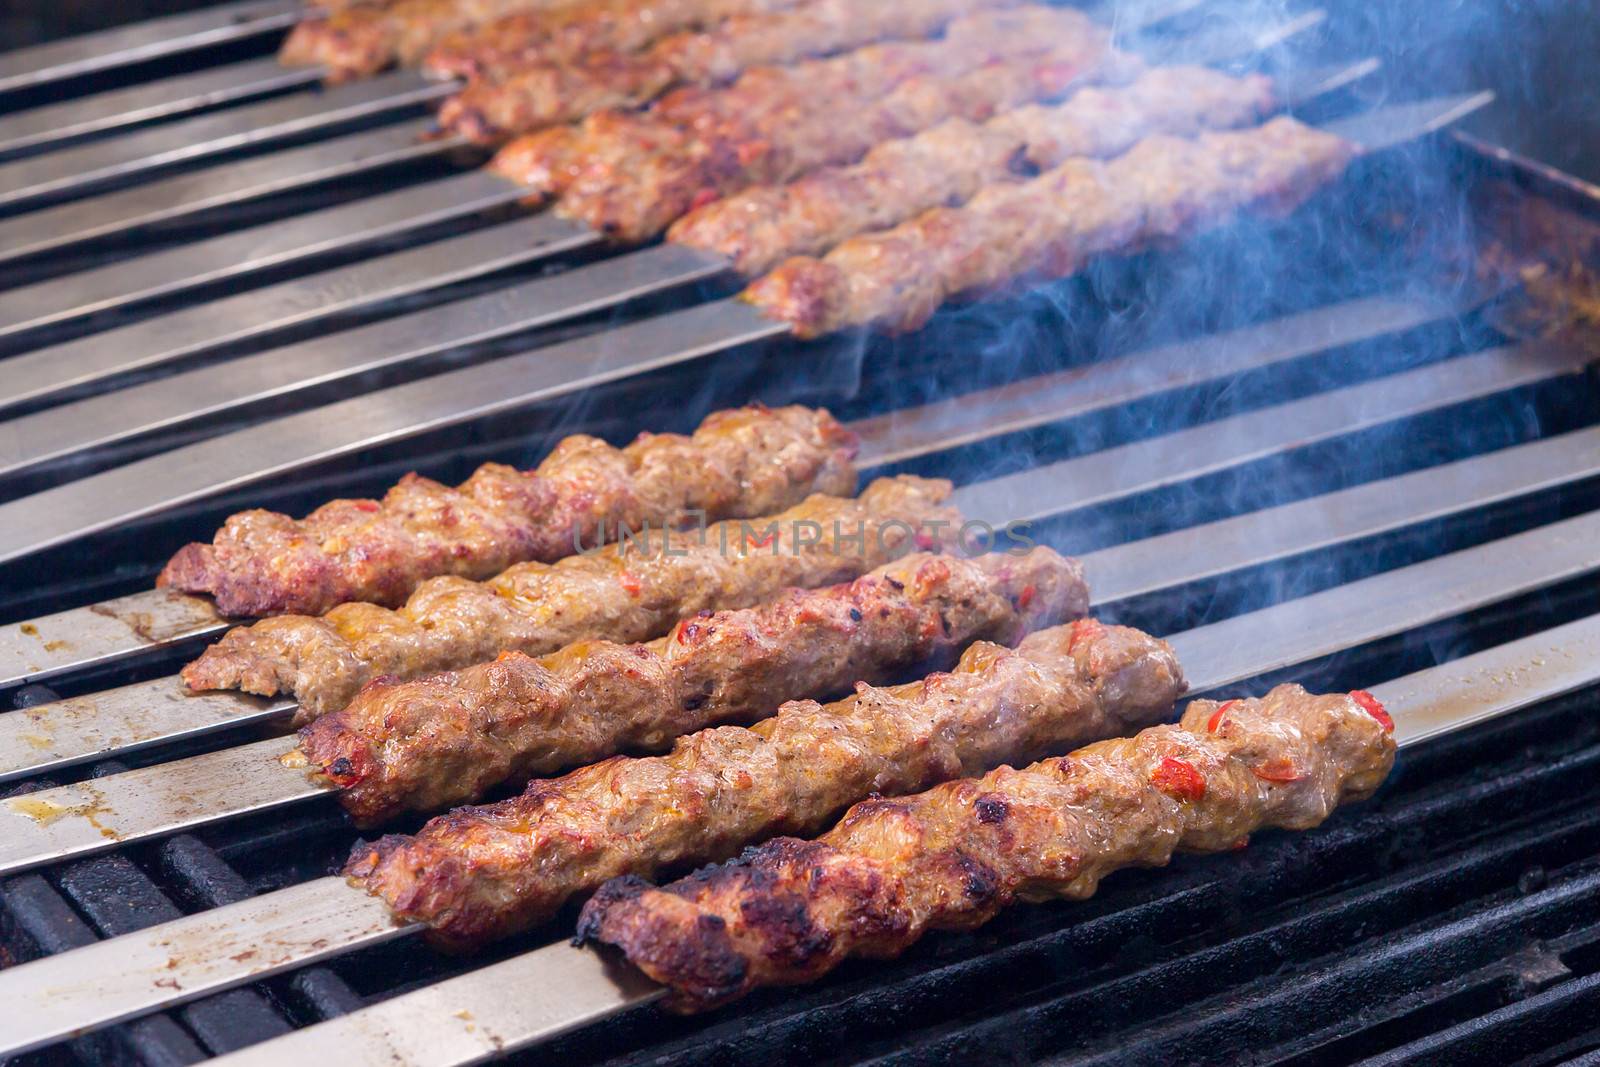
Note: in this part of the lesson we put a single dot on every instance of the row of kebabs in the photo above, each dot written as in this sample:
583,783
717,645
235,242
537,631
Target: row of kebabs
805,603
918,169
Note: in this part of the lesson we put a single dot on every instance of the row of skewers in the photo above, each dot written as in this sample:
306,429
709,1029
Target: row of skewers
859,164
682,677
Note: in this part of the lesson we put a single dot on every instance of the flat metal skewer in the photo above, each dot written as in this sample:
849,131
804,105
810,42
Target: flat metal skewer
172,963
194,330
69,170
1210,447
40,127
148,486
141,41
139,804
56,432
53,228
511,1006
104,633
243,251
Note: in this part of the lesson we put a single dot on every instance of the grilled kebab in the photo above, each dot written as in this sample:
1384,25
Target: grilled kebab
502,47
444,740
739,463
1049,226
949,163
361,39
789,911
568,88
634,590
632,175
484,872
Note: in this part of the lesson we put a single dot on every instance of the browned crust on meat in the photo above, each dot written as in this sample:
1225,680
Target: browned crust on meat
445,740
948,163
789,911
632,591
352,43
742,462
503,46
800,291
480,873
564,87
1163,189
780,133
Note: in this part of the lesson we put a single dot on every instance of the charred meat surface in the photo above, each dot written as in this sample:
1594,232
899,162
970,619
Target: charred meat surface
789,911
663,187
633,175
632,591
502,47
358,40
739,463
568,88
480,873
445,740
949,163
1162,189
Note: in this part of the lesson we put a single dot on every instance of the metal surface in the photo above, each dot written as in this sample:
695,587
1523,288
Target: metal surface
1395,124
59,173
1494,682
60,431
1251,540
114,979
145,40
243,251
472,1018
147,101
529,999
1302,86
103,813
118,979
63,733
231,183
898,436
1387,604
1114,473
164,338
104,500
1237,38
102,633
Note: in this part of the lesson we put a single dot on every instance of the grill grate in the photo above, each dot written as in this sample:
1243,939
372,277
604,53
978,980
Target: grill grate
1457,915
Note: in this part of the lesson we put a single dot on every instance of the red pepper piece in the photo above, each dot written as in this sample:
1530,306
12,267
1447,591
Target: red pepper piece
1216,716
1085,630
631,583
1180,779
765,542
1373,707
368,506
1279,770
1026,596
